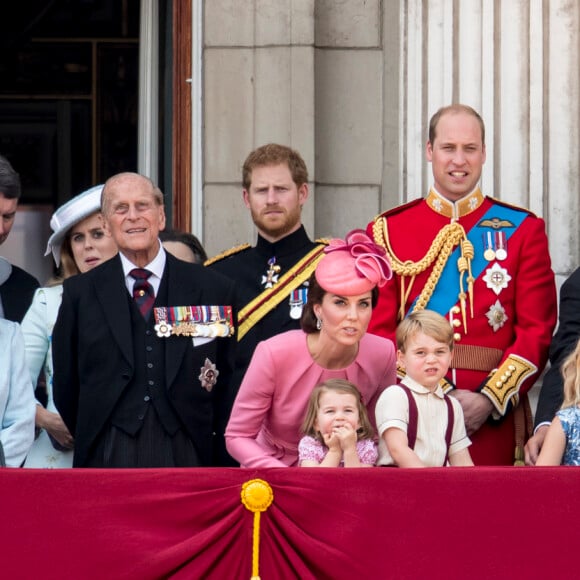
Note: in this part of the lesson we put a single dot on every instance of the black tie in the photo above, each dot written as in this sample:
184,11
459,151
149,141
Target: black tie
143,293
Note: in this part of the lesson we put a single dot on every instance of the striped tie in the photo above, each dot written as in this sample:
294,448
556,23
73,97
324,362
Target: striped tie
143,293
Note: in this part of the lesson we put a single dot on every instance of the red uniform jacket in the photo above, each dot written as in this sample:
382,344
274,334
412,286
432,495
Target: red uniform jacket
504,346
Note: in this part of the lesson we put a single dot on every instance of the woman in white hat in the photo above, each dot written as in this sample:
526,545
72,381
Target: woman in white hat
79,243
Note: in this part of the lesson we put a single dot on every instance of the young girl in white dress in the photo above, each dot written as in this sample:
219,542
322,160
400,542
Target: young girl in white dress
78,244
337,430
562,443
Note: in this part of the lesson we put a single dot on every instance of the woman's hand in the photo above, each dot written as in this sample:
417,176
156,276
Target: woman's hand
54,425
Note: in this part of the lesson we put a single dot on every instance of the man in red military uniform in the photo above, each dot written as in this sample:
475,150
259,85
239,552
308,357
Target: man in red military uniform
485,266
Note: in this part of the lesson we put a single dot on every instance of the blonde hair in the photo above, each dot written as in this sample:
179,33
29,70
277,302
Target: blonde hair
571,374
428,322
366,430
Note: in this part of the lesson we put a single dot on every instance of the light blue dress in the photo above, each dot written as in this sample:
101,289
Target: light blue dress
17,408
570,419
37,328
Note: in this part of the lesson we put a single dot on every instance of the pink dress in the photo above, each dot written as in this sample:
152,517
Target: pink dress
313,450
264,426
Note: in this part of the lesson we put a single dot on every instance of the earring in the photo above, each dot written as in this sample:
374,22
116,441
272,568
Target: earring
318,323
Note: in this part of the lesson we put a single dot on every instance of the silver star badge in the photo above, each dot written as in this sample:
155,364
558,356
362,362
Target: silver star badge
496,316
208,375
497,278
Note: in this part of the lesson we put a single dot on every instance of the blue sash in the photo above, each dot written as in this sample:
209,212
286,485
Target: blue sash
444,296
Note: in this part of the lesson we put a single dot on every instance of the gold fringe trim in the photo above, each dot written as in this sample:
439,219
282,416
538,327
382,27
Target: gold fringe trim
230,252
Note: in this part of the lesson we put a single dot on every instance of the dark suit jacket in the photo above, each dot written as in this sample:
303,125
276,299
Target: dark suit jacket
563,343
17,293
93,356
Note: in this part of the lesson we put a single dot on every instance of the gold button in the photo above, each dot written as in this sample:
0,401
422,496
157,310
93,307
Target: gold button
456,336
512,368
456,322
498,384
456,309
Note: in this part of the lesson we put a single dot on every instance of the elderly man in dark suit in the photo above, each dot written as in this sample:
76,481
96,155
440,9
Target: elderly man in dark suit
143,346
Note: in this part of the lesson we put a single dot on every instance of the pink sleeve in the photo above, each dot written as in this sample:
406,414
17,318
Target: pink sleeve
367,451
310,449
382,368
250,408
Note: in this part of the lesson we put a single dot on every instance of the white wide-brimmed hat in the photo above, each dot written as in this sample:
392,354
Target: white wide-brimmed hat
68,215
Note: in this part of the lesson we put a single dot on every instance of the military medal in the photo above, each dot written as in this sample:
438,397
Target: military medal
497,278
297,301
196,321
272,273
496,316
208,375
501,252
489,252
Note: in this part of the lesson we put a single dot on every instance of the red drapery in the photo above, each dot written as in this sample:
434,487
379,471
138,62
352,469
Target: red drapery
323,523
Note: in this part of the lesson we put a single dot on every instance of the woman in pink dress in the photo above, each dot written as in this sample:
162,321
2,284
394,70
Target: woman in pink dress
264,426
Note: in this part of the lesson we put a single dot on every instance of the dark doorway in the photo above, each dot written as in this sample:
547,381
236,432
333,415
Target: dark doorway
68,93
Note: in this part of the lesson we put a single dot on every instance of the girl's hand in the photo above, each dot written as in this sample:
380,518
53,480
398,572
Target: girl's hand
346,435
332,441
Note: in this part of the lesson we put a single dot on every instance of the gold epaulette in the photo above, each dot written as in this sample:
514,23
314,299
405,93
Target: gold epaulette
230,252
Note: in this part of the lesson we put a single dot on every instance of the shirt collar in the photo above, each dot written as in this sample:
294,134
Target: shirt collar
156,267
420,389
454,210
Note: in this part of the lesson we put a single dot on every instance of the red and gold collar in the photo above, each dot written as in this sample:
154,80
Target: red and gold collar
454,210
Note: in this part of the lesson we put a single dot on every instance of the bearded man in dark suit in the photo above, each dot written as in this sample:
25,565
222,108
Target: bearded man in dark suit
143,346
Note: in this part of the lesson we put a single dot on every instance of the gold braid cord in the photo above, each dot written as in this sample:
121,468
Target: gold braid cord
442,247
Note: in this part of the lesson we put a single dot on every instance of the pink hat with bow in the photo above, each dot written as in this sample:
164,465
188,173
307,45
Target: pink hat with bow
353,266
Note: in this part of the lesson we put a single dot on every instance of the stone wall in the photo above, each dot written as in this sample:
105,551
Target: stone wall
352,85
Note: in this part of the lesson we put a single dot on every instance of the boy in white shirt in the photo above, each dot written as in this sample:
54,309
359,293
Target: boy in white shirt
418,425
